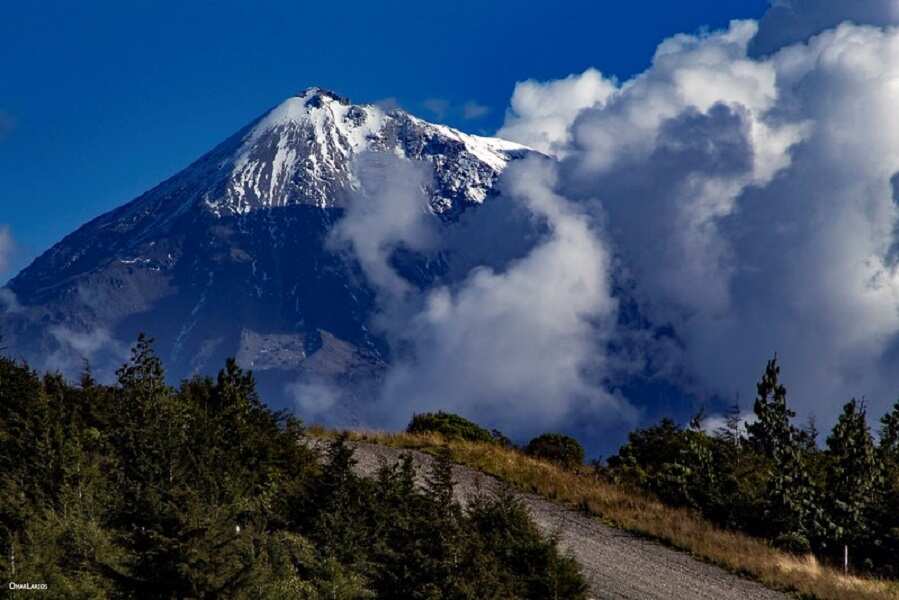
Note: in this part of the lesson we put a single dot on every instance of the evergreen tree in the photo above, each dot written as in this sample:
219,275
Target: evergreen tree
445,512
793,513
772,431
736,486
885,504
853,475
731,433
889,434
808,435
143,376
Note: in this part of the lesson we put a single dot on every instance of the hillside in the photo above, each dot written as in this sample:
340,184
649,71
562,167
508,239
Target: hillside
617,565
630,544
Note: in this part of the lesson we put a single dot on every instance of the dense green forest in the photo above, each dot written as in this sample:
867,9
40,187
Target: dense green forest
773,479
141,490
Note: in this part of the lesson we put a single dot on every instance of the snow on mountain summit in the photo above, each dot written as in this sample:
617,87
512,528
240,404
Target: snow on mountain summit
301,152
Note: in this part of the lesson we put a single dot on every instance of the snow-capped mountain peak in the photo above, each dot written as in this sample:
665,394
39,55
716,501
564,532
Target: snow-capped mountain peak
301,152
229,257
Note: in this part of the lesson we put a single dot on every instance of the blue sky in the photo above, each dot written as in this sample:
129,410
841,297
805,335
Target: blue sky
100,101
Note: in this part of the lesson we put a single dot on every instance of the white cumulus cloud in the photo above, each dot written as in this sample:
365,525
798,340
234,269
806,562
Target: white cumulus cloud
513,332
521,347
752,203
540,113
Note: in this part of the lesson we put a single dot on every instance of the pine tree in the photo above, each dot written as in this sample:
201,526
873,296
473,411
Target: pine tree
143,376
793,507
793,513
808,436
439,482
341,502
731,433
447,538
889,434
772,431
853,474
153,423
885,514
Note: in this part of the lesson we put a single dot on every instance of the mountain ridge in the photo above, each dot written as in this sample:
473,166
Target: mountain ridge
230,256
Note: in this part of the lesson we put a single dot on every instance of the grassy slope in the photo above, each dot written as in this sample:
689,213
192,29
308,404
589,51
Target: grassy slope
644,515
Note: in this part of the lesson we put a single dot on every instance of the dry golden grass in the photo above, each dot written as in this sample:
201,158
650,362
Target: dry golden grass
641,514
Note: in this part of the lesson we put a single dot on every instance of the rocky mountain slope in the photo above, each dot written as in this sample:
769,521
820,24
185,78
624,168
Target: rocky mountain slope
229,256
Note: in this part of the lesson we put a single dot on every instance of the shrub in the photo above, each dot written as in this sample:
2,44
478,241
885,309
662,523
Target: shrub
558,448
500,439
450,426
794,543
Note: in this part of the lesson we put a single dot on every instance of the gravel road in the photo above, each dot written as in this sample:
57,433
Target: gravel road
617,564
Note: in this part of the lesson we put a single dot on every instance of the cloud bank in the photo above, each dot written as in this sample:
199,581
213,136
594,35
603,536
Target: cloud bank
513,330
519,347
752,202
736,199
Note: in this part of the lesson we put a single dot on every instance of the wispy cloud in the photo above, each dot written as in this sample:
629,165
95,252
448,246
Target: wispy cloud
75,348
315,399
717,423
438,107
9,303
442,109
7,246
387,104
389,210
473,110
